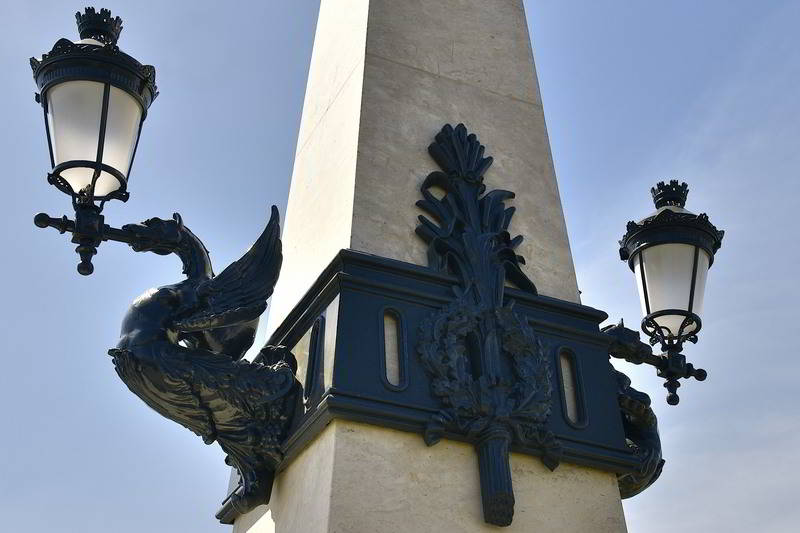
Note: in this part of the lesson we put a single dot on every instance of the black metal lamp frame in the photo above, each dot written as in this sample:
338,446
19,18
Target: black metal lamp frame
89,230
668,227
106,64
672,365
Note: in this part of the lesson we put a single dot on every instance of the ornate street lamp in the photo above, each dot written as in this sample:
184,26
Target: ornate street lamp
95,99
181,346
670,252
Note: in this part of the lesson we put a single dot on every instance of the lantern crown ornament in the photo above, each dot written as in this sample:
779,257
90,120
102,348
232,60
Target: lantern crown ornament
670,222
100,26
670,194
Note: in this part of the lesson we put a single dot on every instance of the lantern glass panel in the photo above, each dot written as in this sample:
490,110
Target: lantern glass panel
703,264
122,129
74,113
667,279
73,117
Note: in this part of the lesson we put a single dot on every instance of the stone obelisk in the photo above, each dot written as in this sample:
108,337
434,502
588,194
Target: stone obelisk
385,76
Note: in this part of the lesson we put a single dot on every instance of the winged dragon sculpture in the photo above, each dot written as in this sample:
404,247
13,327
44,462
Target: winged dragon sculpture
181,351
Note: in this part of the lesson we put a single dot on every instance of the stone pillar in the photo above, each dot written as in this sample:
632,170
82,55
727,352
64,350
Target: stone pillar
385,76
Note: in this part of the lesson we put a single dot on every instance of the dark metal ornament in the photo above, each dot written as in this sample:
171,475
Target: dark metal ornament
670,226
487,365
98,26
105,64
182,345
641,432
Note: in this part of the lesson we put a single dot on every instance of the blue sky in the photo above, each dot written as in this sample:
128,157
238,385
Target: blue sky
633,92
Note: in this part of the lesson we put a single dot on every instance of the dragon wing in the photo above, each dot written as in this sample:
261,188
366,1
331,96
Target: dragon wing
240,292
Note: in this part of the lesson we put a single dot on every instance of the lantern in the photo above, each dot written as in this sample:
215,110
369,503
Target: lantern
95,99
670,252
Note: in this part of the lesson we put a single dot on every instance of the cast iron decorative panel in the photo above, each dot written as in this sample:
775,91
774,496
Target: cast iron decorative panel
486,363
346,364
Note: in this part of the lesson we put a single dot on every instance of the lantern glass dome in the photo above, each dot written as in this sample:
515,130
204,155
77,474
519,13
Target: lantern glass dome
670,252
95,99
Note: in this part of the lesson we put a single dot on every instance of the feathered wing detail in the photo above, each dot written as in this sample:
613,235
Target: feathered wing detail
241,291
184,388
245,407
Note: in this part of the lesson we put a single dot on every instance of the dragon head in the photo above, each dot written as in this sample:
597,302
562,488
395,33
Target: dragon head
157,235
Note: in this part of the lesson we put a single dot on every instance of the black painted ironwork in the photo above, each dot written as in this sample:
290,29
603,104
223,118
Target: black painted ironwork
89,230
106,64
100,26
487,365
352,295
482,374
182,345
641,432
639,420
181,350
670,365
668,227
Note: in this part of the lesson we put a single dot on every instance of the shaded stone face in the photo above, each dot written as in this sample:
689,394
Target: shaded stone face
429,63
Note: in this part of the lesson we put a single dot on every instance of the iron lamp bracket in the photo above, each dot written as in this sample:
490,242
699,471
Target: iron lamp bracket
670,365
89,230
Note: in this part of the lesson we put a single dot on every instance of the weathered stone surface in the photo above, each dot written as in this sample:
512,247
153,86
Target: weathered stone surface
301,496
402,109
386,480
480,43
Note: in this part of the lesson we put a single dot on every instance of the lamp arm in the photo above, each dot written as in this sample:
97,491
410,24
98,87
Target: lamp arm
64,225
89,230
671,366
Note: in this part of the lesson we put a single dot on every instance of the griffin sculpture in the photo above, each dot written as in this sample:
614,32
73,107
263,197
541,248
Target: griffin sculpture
181,351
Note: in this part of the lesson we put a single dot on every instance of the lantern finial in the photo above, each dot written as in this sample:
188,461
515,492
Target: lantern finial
671,193
99,26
